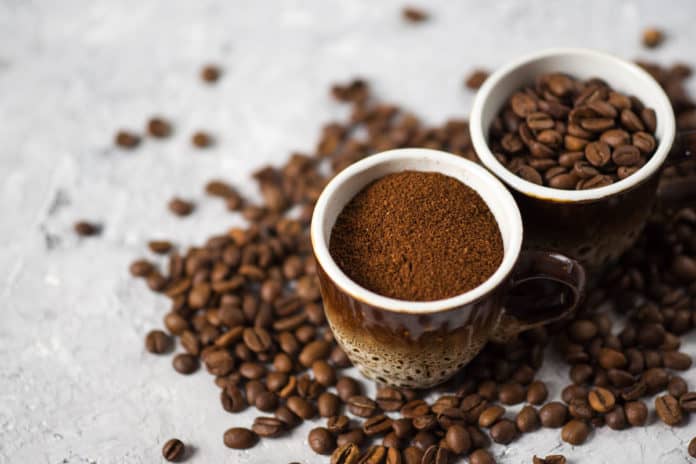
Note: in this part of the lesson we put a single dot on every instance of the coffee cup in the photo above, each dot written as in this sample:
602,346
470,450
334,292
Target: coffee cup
419,344
594,226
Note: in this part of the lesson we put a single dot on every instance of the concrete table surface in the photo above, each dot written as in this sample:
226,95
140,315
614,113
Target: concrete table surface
76,385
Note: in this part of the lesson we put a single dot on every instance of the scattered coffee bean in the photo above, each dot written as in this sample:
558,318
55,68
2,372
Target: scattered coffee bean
481,456
476,79
575,432
160,247
692,448
159,128
601,400
652,37
537,392
550,459
126,139
86,229
185,363
201,139
413,14
239,438
157,342
503,431
553,414
173,450
527,419
668,409
490,415
210,73
361,406
457,439
321,440
180,207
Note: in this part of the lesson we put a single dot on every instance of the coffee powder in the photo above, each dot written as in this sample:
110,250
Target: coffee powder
417,236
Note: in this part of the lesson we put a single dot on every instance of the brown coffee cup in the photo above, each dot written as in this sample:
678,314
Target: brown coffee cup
419,344
594,226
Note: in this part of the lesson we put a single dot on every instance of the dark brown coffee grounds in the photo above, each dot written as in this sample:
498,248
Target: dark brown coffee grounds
418,236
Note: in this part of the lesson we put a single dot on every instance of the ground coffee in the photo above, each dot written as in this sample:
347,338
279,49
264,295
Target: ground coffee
418,236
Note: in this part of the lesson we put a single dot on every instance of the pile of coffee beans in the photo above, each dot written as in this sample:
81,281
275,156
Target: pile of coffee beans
245,304
570,134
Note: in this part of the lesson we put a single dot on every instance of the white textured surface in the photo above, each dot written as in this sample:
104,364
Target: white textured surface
75,383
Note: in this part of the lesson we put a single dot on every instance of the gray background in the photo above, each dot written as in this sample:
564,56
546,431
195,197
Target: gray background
75,383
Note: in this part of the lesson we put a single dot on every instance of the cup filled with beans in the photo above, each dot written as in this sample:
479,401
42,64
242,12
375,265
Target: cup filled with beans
579,137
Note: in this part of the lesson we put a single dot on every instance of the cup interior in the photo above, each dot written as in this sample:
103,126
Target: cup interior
622,75
351,180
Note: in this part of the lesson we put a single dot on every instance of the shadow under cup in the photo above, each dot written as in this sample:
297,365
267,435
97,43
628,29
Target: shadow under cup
406,343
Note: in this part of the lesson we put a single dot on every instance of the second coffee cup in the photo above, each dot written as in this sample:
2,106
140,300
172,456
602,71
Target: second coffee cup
417,343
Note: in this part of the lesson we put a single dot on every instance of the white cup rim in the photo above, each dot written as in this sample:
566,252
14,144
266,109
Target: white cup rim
506,208
665,115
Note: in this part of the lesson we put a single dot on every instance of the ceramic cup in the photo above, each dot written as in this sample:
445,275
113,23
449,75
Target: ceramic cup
594,226
420,344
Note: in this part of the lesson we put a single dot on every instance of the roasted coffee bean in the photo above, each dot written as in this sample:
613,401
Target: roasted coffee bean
425,422
476,79
527,420
656,379
232,399
361,406
676,360
86,229
616,418
677,386
321,440
324,373
373,455
201,139
173,450
478,438
348,453
251,370
159,127
692,448
668,409
318,349
257,339
601,400
393,456
504,431
412,455
328,404
652,37
635,391
126,139
185,363
239,438
157,342
337,424
301,407
402,427
414,408
481,456
253,389
141,268
490,416
457,439
435,455
180,207
688,402
537,392
550,459
575,432
611,359
355,436
511,393
210,73
580,409
389,399
414,15
553,414
636,413
451,416
268,426
377,425
574,392
266,401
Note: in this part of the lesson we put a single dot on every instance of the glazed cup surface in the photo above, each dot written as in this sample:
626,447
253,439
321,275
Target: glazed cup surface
594,226
422,343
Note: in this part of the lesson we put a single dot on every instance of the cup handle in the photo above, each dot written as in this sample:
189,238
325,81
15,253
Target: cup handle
544,287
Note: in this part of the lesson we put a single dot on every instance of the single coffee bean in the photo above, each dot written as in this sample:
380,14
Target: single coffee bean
324,373
676,360
537,392
185,363
511,393
328,404
377,425
393,456
402,427
611,359
656,379
266,401
86,229
201,139
668,409
232,399
677,386
652,37
601,399
692,448
527,420
210,73
159,127
425,422
435,455
636,413
553,414
423,440
476,79
616,418
414,408
126,139
481,456
626,155
361,406
572,392
580,409
301,407
157,342
268,426
389,399
348,453
180,207
688,402
457,439
373,455
575,432
239,438
490,416
321,440
173,450
503,431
